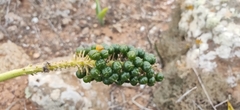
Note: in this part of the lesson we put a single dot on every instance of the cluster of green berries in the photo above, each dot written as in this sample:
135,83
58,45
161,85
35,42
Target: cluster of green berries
119,64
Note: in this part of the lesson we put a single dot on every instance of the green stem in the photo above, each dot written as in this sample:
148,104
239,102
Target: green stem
79,62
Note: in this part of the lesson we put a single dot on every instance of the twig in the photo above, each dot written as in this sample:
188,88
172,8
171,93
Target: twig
83,61
140,106
185,94
123,97
25,108
221,103
4,31
6,22
204,89
9,107
200,108
55,30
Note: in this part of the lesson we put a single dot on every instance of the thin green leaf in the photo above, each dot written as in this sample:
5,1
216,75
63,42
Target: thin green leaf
98,7
101,15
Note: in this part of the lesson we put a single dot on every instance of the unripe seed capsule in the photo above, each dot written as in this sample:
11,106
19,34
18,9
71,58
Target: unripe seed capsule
159,77
150,58
146,66
87,79
94,72
128,66
104,54
116,66
94,55
107,72
124,49
143,80
80,74
151,81
138,62
131,55
100,64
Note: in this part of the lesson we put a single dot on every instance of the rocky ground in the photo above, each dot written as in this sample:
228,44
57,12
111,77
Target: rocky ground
41,30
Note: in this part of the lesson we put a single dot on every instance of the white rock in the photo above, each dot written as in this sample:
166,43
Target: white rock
55,94
142,86
203,47
142,28
207,66
118,27
223,51
85,31
153,30
66,21
212,22
35,20
192,58
72,95
232,81
237,53
94,6
27,27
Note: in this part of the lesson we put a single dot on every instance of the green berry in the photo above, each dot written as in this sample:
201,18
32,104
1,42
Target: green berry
94,72
125,76
151,81
146,66
114,77
87,50
119,82
138,62
107,72
110,50
93,47
100,64
116,66
150,58
150,73
107,81
104,53
131,55
133,49
94,55
124,49
87,79
98,79
80,74
143,80
134,81
135,72
116,48
128,66
159,77
79,49
141,53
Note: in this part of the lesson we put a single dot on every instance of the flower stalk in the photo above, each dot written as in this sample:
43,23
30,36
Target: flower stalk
80,62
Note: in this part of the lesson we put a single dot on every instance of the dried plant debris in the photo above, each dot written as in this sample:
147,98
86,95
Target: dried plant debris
173,87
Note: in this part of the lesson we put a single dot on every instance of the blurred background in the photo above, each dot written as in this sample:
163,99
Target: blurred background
183,34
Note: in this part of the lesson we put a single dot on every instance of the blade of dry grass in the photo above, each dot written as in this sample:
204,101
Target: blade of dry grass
140,106
185,94
204,89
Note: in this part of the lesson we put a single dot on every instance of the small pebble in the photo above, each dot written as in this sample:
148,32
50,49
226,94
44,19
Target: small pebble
36,55
1,36
142,28
35,20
